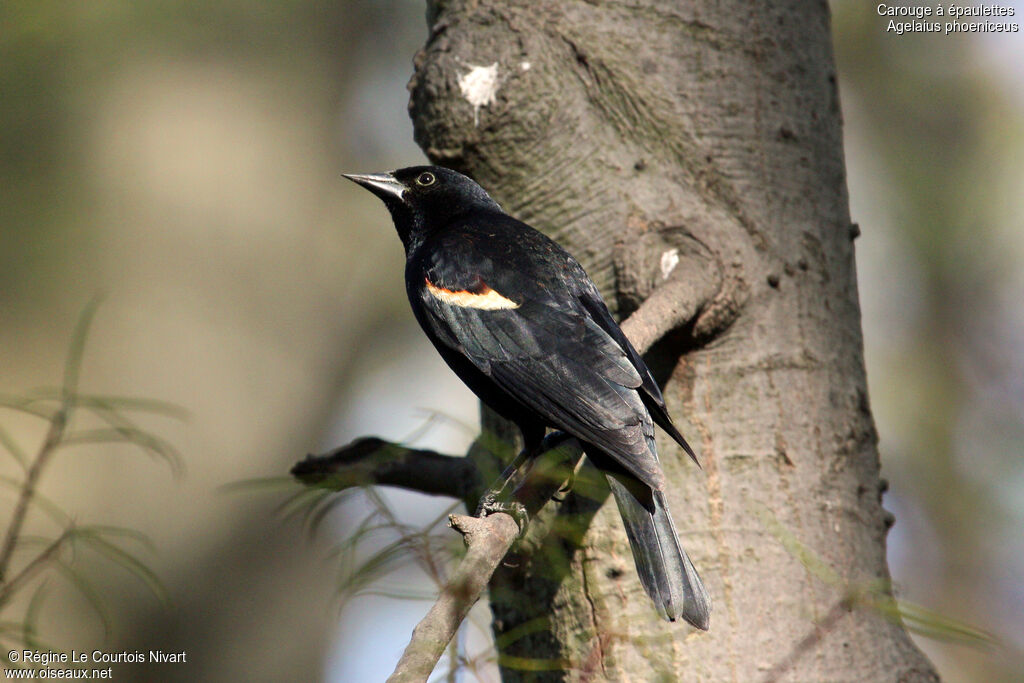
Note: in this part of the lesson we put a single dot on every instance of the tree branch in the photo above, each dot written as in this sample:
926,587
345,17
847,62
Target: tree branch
369,460
488,541
689,289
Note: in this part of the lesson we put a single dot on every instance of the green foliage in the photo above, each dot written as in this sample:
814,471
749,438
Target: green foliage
878,596
33,562
379,544
428,547
396,545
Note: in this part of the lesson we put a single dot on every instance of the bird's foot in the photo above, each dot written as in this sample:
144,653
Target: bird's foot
490,504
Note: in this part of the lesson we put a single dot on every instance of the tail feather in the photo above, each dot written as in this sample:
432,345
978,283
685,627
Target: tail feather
666,573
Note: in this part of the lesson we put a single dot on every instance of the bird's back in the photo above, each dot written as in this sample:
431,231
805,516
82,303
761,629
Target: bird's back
515,305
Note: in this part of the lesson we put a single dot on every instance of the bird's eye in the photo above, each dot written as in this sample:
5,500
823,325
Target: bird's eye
426,178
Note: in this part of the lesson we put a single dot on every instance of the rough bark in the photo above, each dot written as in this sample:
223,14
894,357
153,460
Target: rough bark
636,133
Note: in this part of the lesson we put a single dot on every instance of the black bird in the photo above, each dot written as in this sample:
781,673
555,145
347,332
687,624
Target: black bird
520,322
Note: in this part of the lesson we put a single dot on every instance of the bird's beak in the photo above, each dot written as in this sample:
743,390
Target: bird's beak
384,185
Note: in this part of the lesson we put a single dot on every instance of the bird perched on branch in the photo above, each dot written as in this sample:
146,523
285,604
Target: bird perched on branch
520,322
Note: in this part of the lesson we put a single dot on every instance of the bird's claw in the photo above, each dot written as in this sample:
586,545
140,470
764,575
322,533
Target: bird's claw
490,504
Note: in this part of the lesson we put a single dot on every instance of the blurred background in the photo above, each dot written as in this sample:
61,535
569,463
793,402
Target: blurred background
182,160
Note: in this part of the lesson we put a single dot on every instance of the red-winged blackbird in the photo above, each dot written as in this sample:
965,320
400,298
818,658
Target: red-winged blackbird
520,322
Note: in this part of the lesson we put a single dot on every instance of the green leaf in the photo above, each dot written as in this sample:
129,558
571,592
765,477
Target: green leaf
76,350
438,416
39,500
261,484
532,664
397,594
125,560
12,447
26,405
386,560
522,630
31,541
348,547
120,532
933,625
801,552
420,431
153,445
92,596
35,606
113,403
322,508
299,502
876,595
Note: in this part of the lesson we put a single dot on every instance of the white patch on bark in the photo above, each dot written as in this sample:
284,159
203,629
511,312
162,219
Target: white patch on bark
479,86
669,261
525,66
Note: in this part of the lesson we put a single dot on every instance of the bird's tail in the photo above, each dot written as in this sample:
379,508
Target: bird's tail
665,571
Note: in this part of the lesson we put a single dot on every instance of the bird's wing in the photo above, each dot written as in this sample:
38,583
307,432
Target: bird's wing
591,300
545,350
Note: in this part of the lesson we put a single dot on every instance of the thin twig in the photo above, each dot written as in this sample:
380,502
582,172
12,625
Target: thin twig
29,570
58,423
46,451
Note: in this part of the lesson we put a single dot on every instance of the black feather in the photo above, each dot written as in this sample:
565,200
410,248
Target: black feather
517,318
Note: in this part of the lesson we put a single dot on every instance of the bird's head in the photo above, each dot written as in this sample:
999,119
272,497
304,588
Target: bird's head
423,199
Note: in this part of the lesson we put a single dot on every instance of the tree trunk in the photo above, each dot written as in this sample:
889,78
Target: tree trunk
646,134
